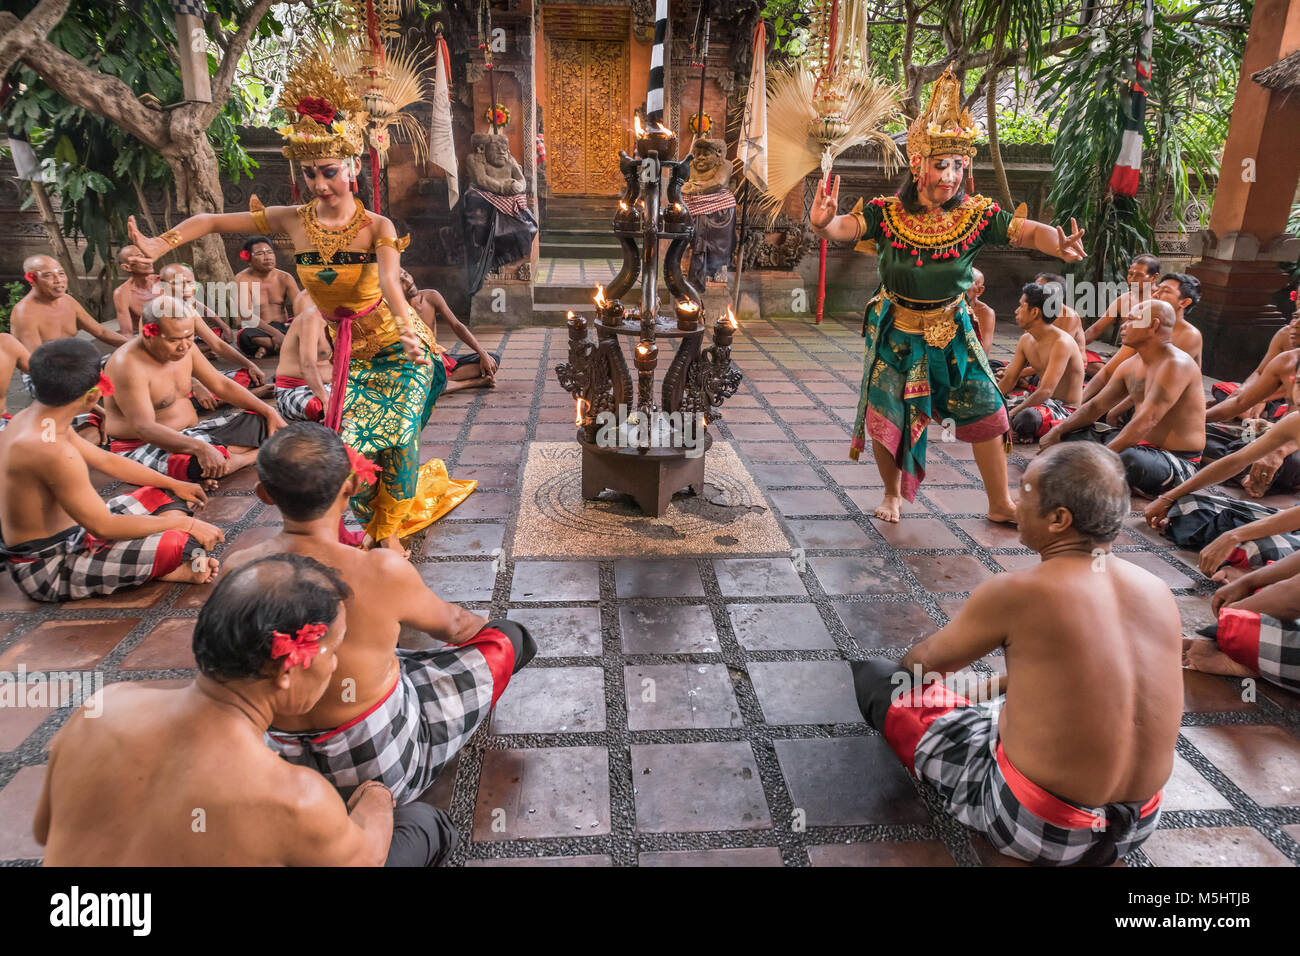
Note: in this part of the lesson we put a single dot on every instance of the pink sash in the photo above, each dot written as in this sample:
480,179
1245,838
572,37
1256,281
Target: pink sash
338,384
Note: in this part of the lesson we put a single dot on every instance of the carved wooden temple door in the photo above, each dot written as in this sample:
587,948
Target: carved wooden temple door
587,72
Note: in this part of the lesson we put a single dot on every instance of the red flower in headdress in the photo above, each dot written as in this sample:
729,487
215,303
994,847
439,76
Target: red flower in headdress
317,109
104,385
1293,293
362,467
299,649
150,330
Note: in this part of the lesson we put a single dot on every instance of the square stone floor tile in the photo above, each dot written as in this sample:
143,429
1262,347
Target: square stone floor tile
941,473
702,787
490,454
478,538
758,577
17,723
228,509
918,533
676,696
66,645
805,692
779,627
1260,759
552,700
498,433
548,792
1016,562
17,808
1187,789
822,432
555,581
668,630
496,477
877,626
856,475
769,450
939,573
957,501
990,534
903,853
1210,693
834,451
459,581
848,781
871,572
837,533
672,577
753,431
562,631
480,505
794,503
740,856
805,415
12,599
785,474
1213,846
169,646
257,534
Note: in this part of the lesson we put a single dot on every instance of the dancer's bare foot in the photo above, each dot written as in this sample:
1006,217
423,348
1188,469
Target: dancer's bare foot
200,571
1229,573
260,353
1205,656
393,544
890,508
1003,515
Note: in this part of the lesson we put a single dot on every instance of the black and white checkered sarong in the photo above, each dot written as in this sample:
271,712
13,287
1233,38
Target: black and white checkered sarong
209,430
959,755
292,404
1264,644
440,698
74,564
1197,519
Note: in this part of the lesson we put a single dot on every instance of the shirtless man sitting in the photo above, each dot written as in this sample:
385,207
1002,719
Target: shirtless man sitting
178,282
150,420
266,293
61,541
130,298
1279,472
397,716
1181,292
122,789
47,312
1068,767
986,320
1142,272
302,390
475,370
1275,406
1257,630
1068,320
1162,443
1043,346
1228,532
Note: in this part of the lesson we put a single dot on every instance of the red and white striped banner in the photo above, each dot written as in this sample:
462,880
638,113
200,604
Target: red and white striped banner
509,205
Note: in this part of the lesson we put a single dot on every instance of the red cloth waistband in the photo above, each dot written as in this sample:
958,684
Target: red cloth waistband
288,381
1053,809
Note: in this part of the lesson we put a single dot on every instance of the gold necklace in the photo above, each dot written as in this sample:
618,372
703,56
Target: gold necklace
329,241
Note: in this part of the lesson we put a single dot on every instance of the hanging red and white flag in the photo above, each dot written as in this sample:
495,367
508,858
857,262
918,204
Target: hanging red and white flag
1124,178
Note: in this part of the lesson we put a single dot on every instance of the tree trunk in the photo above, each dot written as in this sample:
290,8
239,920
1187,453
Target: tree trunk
197,177
995,151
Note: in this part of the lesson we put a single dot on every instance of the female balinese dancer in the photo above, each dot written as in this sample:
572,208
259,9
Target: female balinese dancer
349,261
923,360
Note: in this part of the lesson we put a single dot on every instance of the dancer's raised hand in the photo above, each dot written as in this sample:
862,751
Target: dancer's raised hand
1071,246
825,206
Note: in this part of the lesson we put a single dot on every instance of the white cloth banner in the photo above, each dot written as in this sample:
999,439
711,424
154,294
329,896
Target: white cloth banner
442,150
751,153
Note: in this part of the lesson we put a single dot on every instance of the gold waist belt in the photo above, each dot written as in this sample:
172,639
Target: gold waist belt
936,325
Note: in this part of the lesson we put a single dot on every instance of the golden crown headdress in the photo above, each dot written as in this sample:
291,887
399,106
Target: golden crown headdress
330,121
943,126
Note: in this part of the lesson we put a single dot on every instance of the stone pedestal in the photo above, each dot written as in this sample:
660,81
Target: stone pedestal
651,476
503,302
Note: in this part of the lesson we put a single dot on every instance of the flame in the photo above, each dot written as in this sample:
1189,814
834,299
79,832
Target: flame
688,306
622,205
662,130
643,349
578,410
601,301
640,130
569,315
731,318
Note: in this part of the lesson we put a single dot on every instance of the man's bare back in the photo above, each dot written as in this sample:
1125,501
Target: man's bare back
290,364
1080,685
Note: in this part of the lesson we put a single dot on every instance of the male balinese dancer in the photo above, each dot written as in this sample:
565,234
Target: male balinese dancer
47,312
129,774
393,715
1241,534
384,386
1142,272
266,294
303,372
1043,346
478,369
61,541
1064,758
923,362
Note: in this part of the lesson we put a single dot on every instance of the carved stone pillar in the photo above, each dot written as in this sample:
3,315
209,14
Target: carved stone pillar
1246,238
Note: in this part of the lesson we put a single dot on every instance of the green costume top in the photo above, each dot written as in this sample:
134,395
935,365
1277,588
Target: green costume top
910,379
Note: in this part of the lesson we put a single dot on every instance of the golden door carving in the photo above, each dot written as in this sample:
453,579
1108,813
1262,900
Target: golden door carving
587,82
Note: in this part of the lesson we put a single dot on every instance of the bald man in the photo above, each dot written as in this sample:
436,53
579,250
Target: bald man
130,298
986,319
1142,272
1162,443
150,419
47,312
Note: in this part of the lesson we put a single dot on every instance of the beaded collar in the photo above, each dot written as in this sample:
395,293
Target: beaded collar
943,233
328,241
